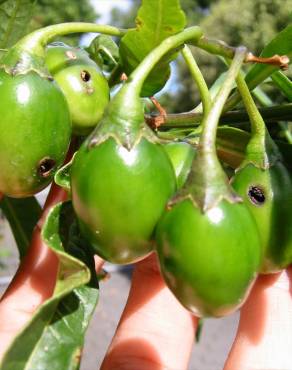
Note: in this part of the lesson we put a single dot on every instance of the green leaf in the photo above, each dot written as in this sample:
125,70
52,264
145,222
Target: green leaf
14,19
104,51
282,45
54,337
156,20
22,215
283,83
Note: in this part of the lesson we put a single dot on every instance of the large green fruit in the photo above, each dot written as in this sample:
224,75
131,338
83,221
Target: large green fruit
209,260
268,195
35,131
119,195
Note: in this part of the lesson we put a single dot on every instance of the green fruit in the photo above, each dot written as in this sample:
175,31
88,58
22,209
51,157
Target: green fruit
60,56
209,260
181,155
268,195
119,194
83,84
35,132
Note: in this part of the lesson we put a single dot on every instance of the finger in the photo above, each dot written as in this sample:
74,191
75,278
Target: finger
98,262
155,331
33,283
264,337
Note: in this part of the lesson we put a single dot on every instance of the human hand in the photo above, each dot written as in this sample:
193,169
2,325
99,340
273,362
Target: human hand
155,332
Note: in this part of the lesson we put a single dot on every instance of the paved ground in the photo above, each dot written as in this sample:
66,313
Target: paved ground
208,354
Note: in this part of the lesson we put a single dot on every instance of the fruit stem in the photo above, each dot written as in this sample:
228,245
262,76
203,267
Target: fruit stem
139,75
217,47
258,127
261,149
210,121
198,78
207,183
37,40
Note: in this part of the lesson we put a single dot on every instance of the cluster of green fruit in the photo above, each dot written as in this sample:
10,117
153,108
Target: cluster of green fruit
132,193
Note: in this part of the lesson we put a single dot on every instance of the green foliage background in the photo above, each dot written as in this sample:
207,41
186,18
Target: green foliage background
250,22
49,12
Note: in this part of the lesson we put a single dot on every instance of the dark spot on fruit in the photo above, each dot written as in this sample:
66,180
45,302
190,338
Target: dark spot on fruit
256,195
85,76
45,167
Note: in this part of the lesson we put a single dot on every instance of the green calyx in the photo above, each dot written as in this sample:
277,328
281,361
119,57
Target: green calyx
18,61
123,120
206,188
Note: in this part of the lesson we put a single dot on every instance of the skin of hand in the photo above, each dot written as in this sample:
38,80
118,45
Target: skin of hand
33,283
155,332
264,336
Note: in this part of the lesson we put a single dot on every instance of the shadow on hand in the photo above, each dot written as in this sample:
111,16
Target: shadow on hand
255,312
134,354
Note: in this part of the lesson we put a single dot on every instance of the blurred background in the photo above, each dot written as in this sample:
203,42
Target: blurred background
250,22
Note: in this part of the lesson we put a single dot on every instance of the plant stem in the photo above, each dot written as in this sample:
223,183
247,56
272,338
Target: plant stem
139,75
261,150
258,127
37,40
217,47
199,79
210,122
190,119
